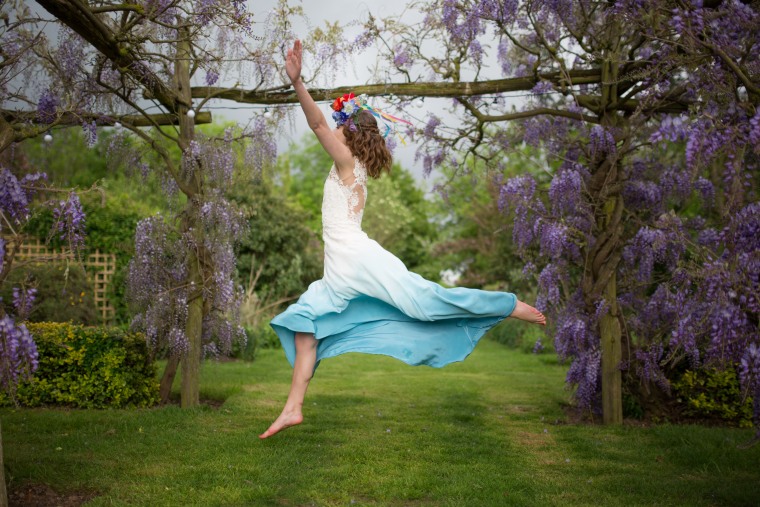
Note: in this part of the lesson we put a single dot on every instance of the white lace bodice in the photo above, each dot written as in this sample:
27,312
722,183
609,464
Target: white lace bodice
343,201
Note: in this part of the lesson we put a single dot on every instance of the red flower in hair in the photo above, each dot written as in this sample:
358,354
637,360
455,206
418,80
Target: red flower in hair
338,104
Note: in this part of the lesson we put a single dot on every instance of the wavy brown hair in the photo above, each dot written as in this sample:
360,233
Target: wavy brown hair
367,144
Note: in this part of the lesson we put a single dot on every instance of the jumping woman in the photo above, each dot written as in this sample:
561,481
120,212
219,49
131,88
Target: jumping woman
367,301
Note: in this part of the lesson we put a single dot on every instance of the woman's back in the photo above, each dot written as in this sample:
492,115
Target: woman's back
343,203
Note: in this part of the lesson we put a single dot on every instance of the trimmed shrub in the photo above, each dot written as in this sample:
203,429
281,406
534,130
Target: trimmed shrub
89,367
713,394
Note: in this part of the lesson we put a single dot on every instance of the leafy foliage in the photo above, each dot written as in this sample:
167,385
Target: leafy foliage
63,293
712,393
279,251
89,367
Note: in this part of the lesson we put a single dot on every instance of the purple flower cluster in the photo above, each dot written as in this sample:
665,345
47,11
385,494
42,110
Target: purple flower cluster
90,130
601,142
643,195
15,195
565,191
157,285
47,107
431,125
649,368
475,51
71,53
14,201
18,354
503,57
261,150
549,286
462,22
69,220
670,128
585,374
554,238
542,87
401,58
754,132
363,41
205,11
23,299
212,76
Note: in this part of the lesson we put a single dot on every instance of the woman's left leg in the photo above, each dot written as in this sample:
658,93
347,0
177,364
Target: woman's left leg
303,370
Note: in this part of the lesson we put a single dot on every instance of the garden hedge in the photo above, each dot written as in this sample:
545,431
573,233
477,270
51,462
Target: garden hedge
88,367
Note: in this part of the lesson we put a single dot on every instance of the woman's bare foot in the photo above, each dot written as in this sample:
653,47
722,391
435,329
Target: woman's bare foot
528,314
287,419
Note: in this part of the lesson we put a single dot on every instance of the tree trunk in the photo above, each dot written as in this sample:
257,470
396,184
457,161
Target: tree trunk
167,379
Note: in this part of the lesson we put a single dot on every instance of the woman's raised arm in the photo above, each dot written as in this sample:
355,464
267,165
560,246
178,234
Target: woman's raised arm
339,152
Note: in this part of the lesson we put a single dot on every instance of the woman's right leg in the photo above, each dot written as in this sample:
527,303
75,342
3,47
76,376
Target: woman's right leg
303,370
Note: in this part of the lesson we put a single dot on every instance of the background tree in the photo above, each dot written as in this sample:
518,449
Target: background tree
112,55
606,82
611,86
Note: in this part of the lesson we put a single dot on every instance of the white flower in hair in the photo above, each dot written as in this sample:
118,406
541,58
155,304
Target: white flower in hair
349,107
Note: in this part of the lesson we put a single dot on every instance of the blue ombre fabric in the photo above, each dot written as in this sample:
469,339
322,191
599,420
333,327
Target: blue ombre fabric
370,325
369,302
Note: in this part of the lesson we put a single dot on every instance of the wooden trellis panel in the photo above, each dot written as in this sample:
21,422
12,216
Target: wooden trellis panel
99,267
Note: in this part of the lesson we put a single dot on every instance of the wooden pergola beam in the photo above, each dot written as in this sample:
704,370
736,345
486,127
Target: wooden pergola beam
286,95
22,119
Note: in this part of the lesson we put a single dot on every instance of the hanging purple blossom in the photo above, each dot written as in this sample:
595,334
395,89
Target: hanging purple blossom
91,133
212,76
542,87
69,220
601,141
401,57
47,107
23,299
565,191
18,354
14,202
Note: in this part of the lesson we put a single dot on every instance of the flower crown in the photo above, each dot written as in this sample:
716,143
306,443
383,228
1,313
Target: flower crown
347,108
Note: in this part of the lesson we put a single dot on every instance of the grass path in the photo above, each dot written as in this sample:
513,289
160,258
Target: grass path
484,432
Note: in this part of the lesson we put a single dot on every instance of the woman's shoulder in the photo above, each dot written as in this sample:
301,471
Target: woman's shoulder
358,171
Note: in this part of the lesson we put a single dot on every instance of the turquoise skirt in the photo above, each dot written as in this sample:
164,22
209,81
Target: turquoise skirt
379,307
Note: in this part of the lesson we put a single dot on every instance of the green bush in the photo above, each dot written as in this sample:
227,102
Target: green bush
63,293
89,367
258,337
518,335
710,393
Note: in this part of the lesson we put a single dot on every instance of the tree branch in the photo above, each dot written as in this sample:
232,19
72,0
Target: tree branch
81,20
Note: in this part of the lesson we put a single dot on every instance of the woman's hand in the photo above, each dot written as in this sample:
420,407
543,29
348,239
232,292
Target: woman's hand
293,61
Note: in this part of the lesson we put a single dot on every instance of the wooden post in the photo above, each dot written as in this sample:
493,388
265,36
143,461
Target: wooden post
611,337
191,360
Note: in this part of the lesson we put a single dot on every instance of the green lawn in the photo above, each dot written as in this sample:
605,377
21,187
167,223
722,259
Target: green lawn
377,432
